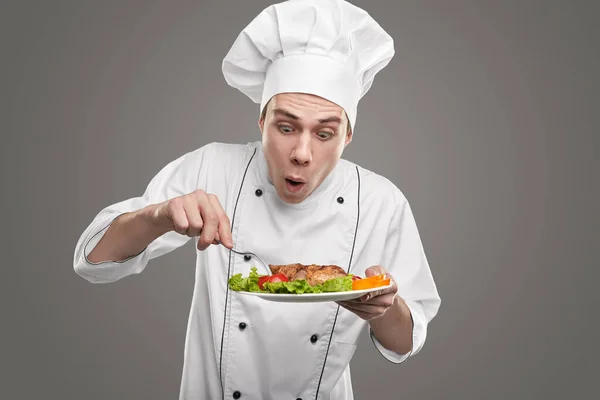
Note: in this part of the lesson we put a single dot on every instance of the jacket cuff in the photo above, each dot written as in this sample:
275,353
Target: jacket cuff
91,244
419,333
109,270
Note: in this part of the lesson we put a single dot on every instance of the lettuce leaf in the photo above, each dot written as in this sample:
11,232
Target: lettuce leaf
341,284
237,283
301,286
249,284
298,287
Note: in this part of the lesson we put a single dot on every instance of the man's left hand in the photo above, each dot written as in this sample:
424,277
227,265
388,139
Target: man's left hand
376,303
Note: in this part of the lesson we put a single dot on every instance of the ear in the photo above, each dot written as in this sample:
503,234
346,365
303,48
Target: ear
348,137
261,123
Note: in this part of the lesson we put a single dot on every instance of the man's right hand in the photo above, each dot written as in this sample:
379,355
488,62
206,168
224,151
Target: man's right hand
196,214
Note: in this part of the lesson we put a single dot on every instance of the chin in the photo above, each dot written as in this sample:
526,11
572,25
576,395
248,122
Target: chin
294,201
290,198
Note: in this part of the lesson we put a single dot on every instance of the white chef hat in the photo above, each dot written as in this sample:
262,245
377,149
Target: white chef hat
329,48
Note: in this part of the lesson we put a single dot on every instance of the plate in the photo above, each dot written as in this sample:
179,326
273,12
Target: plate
314,297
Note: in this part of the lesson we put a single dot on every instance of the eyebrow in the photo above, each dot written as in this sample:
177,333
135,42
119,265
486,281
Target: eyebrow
288,114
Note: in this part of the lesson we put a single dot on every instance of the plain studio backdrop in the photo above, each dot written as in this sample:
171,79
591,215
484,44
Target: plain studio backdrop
486,118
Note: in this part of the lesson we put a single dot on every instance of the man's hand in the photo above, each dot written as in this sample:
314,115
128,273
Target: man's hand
373,304
388,315
195,214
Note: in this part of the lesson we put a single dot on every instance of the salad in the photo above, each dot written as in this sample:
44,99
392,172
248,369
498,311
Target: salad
280,283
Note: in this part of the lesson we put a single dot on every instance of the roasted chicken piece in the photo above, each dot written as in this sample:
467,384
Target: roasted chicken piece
314,274
289,270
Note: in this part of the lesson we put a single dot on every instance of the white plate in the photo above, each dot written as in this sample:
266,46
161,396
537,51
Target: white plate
314,297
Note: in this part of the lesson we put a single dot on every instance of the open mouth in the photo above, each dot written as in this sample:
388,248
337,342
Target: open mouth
293,185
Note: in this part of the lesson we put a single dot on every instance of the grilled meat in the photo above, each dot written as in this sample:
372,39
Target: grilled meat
288,270
314,274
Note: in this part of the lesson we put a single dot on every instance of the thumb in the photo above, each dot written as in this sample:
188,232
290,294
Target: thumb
374,270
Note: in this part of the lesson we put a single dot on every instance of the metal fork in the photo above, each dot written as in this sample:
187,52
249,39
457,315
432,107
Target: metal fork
263,263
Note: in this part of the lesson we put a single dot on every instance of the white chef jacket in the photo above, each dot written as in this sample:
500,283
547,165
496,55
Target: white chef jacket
240,346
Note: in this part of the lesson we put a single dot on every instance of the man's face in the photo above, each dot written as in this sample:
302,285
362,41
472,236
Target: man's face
303,137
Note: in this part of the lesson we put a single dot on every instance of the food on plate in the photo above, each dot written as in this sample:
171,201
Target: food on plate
313,274
271,279
300,279
370,282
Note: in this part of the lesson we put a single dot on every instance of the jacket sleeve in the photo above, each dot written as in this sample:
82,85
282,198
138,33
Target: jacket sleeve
405,260
181,176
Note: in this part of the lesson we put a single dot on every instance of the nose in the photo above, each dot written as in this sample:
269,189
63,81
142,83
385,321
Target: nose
302,153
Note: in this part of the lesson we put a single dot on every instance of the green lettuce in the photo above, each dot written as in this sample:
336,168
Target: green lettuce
340,284
298,287
249,284
301,286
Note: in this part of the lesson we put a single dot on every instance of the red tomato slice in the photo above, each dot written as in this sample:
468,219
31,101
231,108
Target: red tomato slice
262,280
271,279
278,278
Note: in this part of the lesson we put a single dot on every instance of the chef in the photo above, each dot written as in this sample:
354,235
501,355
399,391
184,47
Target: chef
289,198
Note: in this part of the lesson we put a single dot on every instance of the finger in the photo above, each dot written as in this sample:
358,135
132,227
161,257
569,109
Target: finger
176,213
193,216
378,293
209,216
224,226
362,312
217,238
375,270
370,298
386,300
366,308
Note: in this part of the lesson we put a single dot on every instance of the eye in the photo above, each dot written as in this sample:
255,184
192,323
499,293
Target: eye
324,135
285,129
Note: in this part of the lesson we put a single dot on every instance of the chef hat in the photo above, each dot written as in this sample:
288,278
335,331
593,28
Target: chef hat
329,48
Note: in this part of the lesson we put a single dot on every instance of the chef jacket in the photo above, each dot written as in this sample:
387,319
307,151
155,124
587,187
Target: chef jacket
240,346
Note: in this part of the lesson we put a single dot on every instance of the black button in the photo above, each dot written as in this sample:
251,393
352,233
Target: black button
340,200
313,338
258,192
242,325
247,257
237,395
298,398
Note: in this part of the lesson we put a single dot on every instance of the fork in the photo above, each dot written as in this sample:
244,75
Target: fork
264,264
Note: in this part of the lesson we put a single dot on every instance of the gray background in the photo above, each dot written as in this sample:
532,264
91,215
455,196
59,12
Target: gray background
487,119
